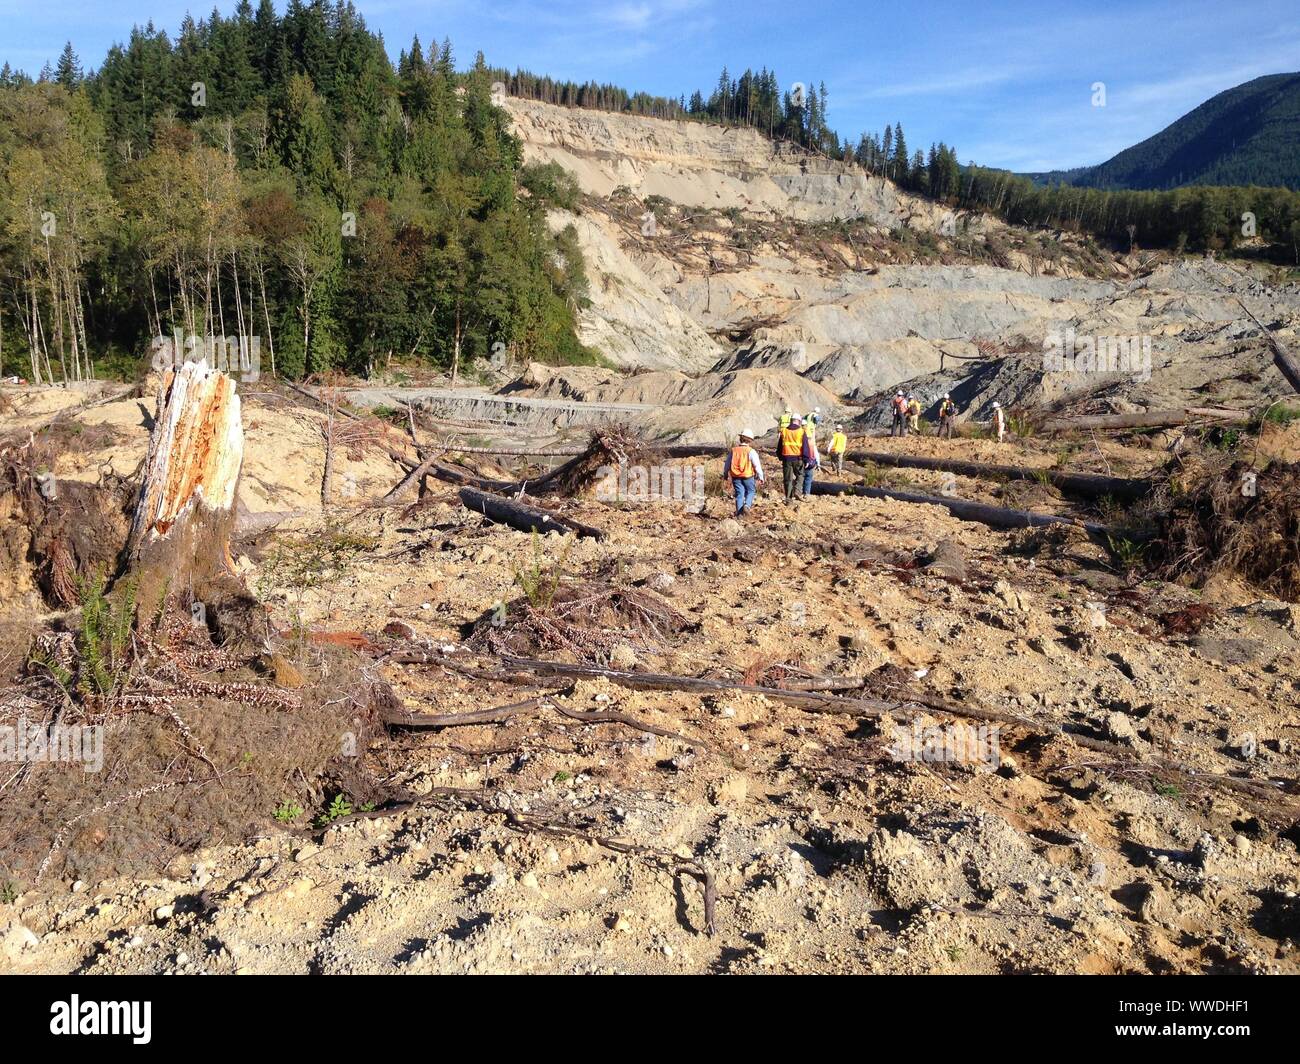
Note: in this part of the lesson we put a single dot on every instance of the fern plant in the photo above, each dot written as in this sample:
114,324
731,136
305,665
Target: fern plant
105,634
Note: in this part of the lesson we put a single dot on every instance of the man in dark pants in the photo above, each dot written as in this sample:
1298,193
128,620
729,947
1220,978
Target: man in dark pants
790,447
947,411
899,407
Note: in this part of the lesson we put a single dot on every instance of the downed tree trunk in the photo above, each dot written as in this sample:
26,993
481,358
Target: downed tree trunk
1286,362
993,516
867,708
436,469
1088,485
185,512
525,518
1147,419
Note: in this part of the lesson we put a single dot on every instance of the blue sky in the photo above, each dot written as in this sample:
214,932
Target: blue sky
1009,83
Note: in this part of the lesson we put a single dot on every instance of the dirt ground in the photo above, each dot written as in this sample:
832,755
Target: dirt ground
830,852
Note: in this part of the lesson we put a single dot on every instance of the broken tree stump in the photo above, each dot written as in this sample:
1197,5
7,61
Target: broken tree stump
185,512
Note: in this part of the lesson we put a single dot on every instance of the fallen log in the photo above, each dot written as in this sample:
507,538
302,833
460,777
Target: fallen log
525,518
1286,362
1088,485
416,475
812,702
1146,419
869,707
993,516
435,469
403,718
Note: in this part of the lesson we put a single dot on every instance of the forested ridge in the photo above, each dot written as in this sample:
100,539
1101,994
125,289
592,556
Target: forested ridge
274,176
279,176
1246,134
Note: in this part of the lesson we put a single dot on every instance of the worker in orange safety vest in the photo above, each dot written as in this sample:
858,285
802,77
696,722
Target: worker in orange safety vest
744,472
790,448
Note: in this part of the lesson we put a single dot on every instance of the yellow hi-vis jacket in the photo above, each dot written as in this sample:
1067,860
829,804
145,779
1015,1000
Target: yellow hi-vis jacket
839,443
791,443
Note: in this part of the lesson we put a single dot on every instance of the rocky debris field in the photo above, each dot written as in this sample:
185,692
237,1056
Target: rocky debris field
1096,828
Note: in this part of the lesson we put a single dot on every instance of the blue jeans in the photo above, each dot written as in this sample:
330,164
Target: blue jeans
807,479
745,491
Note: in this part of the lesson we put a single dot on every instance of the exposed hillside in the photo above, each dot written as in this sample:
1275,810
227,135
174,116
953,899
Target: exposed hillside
1248,135
767,270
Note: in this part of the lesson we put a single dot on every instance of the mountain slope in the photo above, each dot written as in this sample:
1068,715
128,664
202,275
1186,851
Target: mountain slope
1248,135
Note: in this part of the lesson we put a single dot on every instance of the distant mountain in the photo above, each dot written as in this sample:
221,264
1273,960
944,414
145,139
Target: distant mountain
1249,135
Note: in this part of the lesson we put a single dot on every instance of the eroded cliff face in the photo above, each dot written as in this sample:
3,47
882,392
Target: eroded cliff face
708,166
760,258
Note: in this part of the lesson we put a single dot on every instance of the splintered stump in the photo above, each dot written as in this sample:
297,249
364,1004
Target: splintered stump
185,513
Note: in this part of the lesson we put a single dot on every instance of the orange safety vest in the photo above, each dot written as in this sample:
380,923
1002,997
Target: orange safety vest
791,443
742,463
899,404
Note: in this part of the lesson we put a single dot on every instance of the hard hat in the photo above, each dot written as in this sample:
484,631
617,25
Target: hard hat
796,420
946,395
898,393
997,405
746,434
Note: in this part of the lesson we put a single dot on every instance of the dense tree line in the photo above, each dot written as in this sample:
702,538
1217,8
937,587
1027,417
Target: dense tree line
1200,218
274,176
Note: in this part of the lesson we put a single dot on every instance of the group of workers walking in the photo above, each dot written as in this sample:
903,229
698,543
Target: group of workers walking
800,457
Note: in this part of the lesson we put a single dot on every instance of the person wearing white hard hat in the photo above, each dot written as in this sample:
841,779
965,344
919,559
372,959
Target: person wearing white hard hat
898,405
947,411
811,421
744,471
999,421
913,415
839,444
